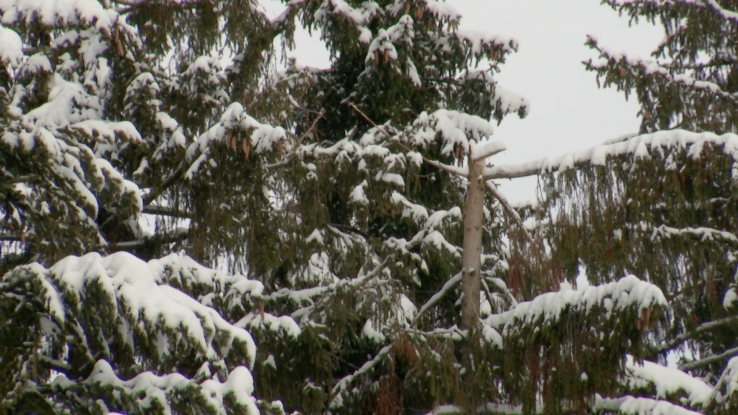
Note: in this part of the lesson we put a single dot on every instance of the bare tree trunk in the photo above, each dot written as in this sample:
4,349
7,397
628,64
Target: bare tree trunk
470,283
472,256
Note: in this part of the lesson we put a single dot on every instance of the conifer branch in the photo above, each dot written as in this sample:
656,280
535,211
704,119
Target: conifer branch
365,368
155,193
364,116
57,365
163,211
168,182
461,172
487,293
178,235
349,229
451,283
711,325
312,127
708,360
723,12
458,171
513,214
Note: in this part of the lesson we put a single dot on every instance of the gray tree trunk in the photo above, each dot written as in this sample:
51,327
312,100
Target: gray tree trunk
472,256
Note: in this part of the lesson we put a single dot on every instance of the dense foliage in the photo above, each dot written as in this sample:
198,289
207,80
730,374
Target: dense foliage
665,210
367,249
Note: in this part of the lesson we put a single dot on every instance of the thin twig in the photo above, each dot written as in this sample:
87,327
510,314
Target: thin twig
312,127
510,210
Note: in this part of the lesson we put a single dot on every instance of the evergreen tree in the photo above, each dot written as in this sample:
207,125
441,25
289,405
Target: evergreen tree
357,196
660,205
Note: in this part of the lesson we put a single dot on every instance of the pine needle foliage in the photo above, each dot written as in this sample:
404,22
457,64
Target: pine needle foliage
660,205
368,251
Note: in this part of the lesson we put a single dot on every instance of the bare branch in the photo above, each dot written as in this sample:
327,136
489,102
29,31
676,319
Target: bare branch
699,329
708,360
509,210
458,171
312,127
164,211
451,283
178,235
364,116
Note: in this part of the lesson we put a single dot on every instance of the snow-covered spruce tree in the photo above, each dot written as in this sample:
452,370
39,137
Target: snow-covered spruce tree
102,104
661,205
396,237
385,242
99,335
100,98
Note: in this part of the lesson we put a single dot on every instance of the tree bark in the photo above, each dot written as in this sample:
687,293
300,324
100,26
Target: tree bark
472,255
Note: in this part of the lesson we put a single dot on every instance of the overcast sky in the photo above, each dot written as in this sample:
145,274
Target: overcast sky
568,111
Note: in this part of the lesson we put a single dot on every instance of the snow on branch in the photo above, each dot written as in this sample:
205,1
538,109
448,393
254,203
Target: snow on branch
630,405
710,4
58,13
148,391
450,284
480,41
239,131
650,67
667,382
502,101
458,171
135,294
710,359
115,310
628,292
702,328
454,128
703,233
725,395
202,282
487,149
344,382
639,147
11,47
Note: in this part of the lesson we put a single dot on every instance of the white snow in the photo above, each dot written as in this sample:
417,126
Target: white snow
630,405
11,47
357,194
58,13
727,386
135,290
640,147
486,149
666,381
629,291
